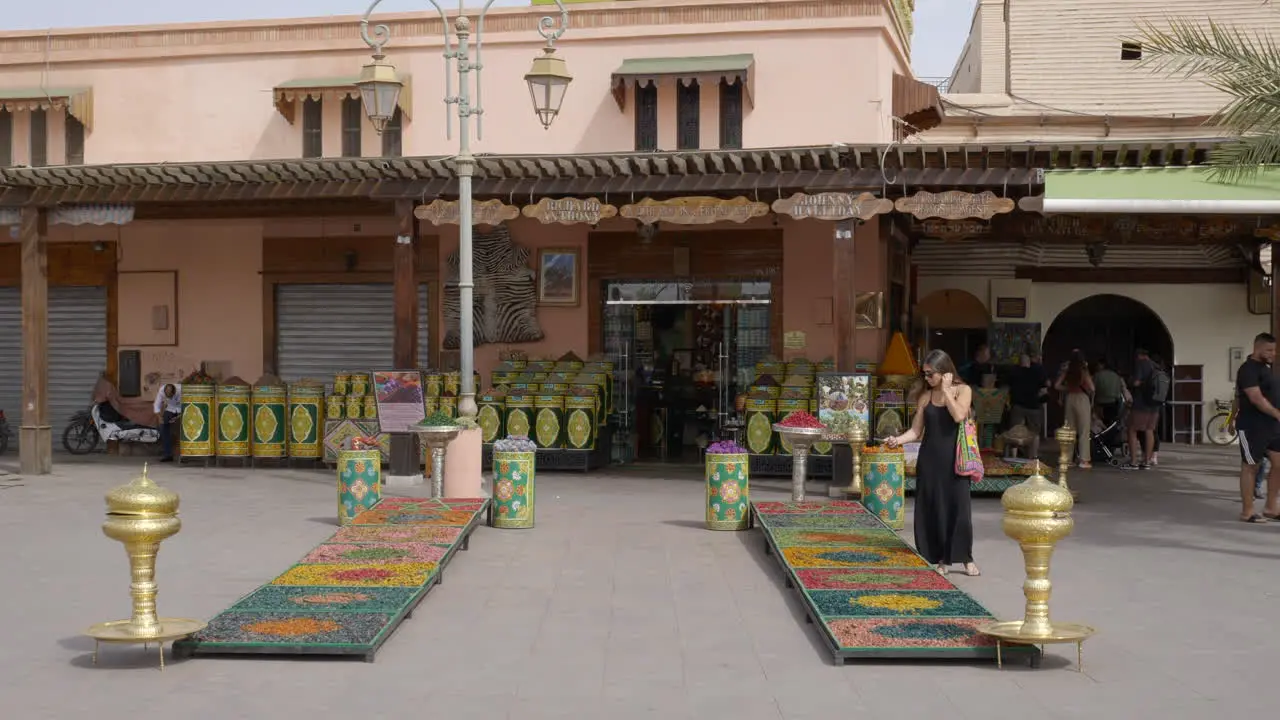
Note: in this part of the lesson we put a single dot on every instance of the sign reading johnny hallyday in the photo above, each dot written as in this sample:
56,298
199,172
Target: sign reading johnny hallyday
694,210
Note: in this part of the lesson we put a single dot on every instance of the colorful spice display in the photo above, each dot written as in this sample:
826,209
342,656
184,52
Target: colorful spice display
825,538
348,594
725,447
896,603
870,593
842,579
358,574
432,534
259,630
284,598
846,520
837,507
946,635
853,556
802,420
382,553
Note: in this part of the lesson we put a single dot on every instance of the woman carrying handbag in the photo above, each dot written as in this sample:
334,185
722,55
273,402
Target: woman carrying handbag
948,462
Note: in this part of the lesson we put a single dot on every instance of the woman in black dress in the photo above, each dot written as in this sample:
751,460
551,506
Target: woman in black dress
943,518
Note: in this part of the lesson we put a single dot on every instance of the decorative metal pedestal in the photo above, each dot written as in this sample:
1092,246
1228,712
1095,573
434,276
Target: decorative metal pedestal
141,515
437,439
801,439
1066,436
857,437
1037,514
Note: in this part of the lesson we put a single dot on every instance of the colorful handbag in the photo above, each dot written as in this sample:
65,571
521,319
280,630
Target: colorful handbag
968,456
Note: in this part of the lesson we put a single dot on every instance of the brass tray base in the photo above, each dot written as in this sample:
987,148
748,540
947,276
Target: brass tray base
121,632
1063,633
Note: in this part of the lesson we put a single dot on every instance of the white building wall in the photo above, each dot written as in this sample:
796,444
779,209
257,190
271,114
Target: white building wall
1205,321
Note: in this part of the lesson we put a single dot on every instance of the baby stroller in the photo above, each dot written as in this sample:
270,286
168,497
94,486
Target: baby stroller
1106,440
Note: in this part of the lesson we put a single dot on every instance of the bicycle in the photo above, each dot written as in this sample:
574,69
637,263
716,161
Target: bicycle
1221,428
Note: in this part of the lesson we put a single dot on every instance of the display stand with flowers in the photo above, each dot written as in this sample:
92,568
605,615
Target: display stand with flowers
436,431
727,487
514,467
801,430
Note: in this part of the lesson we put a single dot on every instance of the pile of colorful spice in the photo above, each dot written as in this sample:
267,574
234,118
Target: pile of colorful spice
439,418
515,444
199,377
803,421
881,449
725,447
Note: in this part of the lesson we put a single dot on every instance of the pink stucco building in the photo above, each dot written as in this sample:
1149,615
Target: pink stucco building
232,283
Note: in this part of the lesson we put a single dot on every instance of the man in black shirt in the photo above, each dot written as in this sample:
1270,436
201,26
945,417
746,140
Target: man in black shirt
1258,426
1028,389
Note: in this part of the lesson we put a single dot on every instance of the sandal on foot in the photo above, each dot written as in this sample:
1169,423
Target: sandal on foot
1255,519
1270,518
971,569
942,569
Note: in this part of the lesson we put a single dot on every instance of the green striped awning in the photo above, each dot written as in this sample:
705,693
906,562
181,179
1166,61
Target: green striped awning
1181,190
732,68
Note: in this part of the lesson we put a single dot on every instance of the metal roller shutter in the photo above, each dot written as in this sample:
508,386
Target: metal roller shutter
322,330
77,351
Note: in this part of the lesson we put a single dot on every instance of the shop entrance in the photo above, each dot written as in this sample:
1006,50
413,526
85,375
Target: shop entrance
683,351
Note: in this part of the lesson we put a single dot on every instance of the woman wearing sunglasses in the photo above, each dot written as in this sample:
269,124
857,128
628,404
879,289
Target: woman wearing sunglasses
943,516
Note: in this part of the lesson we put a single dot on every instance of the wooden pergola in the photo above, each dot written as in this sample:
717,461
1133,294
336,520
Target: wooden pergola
395,186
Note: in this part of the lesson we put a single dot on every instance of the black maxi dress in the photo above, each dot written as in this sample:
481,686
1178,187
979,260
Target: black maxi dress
943,517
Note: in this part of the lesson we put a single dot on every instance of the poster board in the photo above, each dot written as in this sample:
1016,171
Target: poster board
399,395
844,402
1009,340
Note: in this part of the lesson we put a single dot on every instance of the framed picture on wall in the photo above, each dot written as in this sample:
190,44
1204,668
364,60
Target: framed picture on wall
558,276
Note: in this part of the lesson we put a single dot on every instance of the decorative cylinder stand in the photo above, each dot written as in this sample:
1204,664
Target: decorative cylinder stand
142,515
801,440
857,437
1066,436
727,491
1037,514
513,474
359,482
885,485
437,439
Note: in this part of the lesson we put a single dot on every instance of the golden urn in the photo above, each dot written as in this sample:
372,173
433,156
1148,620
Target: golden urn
1037,514
857,439
141,515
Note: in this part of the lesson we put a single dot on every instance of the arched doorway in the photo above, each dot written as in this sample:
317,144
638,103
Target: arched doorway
952,320
1110,327
1107,326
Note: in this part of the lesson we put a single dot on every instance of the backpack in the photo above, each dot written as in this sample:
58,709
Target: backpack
1158,388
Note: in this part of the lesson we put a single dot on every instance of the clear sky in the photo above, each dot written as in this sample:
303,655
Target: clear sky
941,25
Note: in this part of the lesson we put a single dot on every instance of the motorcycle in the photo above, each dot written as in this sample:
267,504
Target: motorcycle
88,428
4,433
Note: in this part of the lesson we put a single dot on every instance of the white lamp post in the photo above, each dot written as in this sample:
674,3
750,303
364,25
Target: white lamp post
380,90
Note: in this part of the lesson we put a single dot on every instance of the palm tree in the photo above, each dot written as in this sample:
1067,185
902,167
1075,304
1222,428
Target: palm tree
1245,65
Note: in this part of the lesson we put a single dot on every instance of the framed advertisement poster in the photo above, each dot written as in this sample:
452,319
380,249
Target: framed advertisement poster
399,395
844,402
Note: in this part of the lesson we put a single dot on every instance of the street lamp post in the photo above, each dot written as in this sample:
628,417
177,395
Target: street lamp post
548,79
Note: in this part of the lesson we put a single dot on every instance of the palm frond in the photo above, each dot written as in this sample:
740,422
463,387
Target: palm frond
1240,160
1245,66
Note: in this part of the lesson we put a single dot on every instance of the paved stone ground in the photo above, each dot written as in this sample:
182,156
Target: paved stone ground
619,605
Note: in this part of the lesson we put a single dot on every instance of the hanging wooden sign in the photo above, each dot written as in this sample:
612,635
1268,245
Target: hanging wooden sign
694,210
832,206
569,211
484,212
954,205
954,229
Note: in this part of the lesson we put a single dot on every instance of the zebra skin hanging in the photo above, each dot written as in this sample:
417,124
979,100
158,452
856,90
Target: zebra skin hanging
506,293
